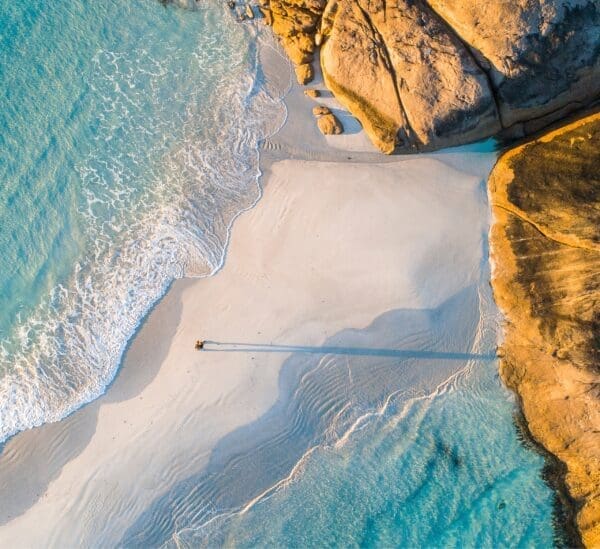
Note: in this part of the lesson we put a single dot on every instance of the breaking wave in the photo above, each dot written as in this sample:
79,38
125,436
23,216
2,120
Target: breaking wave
159,154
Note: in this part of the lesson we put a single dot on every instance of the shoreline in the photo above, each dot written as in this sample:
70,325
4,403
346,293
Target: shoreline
554,475
554,471
133,379
87,449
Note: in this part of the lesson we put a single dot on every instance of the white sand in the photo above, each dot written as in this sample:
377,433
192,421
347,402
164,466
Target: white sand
329,246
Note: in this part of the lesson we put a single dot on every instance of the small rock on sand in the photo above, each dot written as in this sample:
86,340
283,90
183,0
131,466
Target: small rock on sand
304,73
320,110
249,12
330,125
312,93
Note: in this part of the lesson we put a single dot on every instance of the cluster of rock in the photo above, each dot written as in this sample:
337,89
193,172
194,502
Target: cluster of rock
545,243
427,74
327,121
296,23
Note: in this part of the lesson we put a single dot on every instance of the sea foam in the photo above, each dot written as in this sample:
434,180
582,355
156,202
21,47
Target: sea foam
160,155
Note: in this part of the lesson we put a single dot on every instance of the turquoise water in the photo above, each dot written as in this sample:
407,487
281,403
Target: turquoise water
123,160
449,474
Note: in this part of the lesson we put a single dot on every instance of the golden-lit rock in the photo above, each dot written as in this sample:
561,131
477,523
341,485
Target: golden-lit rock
545,245
329,125
304,73
320,110
542,57
296,22
312,93
355,70
405,76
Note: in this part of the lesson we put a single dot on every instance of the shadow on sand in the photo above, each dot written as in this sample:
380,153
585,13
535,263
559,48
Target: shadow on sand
231,347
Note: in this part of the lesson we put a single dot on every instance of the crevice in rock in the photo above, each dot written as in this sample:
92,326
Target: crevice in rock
569,108
545,234
469,49
407,130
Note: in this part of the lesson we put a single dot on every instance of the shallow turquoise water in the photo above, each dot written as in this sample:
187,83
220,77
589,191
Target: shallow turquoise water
123,163
451,473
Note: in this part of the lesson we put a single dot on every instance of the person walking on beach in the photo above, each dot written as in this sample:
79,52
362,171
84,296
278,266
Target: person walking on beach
199,345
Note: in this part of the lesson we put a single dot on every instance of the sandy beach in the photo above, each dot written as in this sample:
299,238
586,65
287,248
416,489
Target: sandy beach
336,240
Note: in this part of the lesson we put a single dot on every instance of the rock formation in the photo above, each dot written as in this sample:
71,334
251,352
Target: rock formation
312,93
296,23
545,245
327,121
425,74
541,57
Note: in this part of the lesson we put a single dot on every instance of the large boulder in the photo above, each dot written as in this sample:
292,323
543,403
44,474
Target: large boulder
356,70
398,64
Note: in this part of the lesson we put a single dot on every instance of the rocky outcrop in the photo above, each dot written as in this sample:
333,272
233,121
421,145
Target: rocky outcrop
296,23
545,245
425,74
